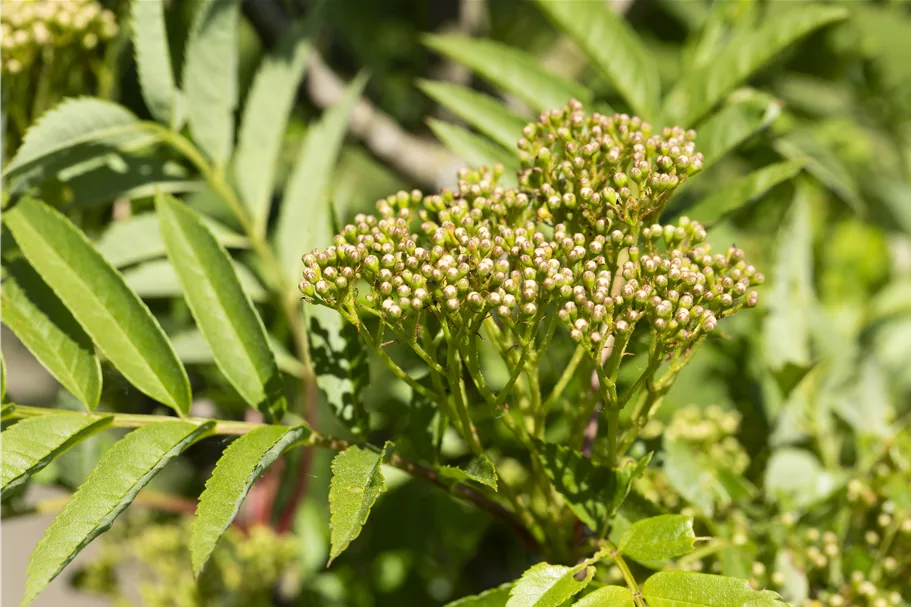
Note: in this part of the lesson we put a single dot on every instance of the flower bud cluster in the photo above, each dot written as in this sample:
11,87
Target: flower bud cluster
29,28
552,245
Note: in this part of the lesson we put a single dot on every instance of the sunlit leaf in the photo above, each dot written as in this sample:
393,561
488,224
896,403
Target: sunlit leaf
676,588
193,349
474,149
607,596
490,116
495,597
546,585
480,470
153,62
658,538
158,278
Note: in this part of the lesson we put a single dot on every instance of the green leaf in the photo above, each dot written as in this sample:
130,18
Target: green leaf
823,165
264,120
727,129
44,326
480,470
74,130
688,476
6,411
658,538
795,478
679,588
240,465
341,366
193,349
210,77
120,475
700,91
474,149
546,585
514,71
2,377
97,296
33,443
743,191
357,480
153,62
138,238
483,112
796,588
222,310
607,596
305,216
495,597
593,492
613,47
158,278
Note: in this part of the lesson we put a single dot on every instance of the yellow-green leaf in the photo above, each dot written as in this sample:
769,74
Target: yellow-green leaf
607,596
658,538
546,585
153,62
679,588
357,481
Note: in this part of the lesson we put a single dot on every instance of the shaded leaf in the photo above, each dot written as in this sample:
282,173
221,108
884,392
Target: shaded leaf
607,596
153,62
305,210
44,326
743,191
265,117
74,130
120,475
139,238
357,481
747,53
727,129
341,366
677,588
687,475
240,465
795,478
823,165
33,443
512,70
796,588
658,538
97,296
479,469
495,597
158,278
593,492
193,349
222,310
474,149
210,77
613,47
546,585
485,113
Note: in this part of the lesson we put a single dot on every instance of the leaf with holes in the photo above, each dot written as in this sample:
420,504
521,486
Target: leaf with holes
97,296
130,464
222,310
33,443
546,585
357,480
699,91
593,492
153,62
487,114
658,538
265,117
676,588
44,326
512,70
240,465
613,47
210,77
305,215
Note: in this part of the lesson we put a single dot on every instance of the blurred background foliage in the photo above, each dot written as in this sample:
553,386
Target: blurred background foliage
796,417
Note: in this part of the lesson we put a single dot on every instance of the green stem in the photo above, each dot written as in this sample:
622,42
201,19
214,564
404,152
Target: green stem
615,556
453,373
568,373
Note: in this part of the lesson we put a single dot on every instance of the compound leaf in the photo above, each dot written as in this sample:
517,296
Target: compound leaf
613,47
514,71
357,481
474,149
658,538
44,326
210,77
113,485
153,62
481,111
33,443
546,585
676,588
97,296
240,465
223,311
